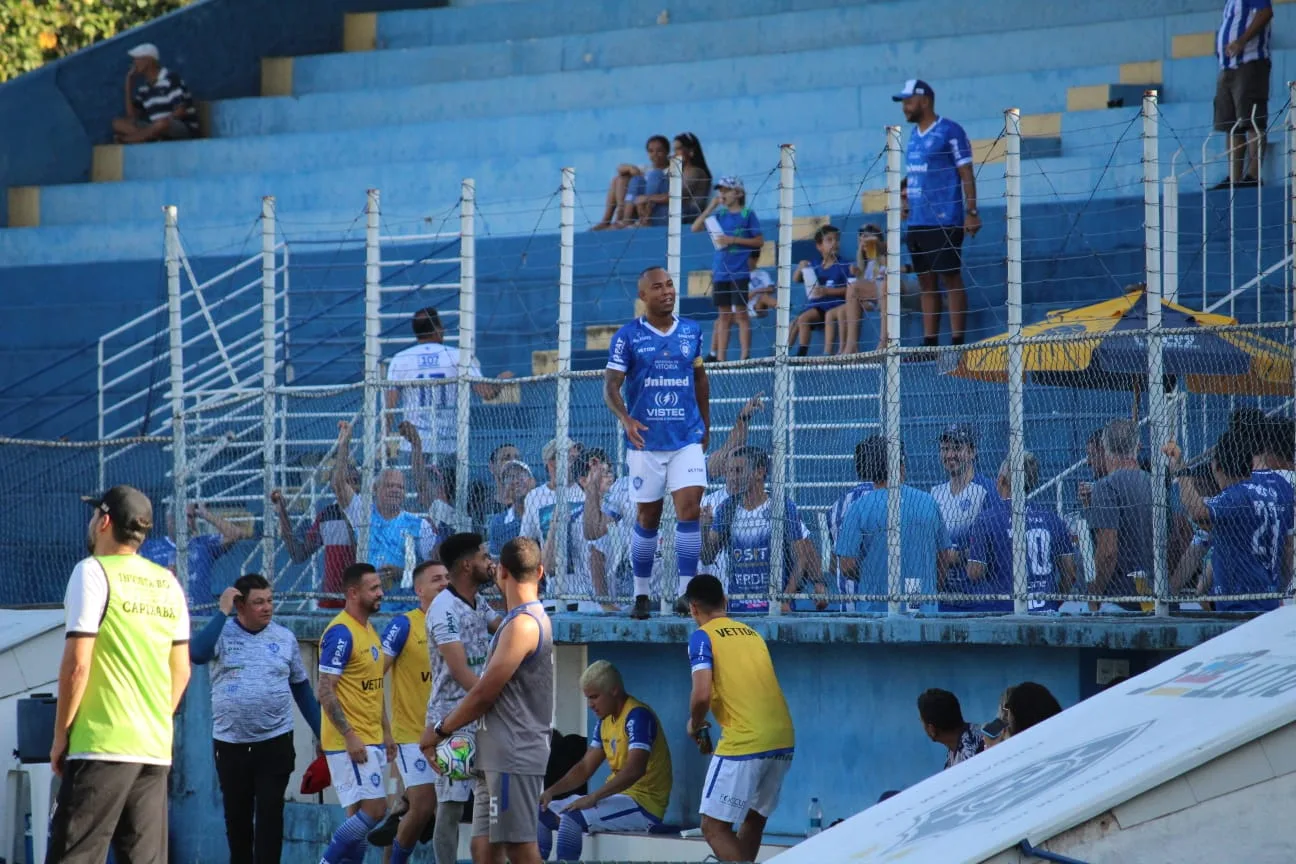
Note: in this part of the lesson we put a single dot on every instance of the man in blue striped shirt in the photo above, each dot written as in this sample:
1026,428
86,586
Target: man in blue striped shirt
158,105
1242,92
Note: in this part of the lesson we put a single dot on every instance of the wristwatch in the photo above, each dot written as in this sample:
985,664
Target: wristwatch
441,733
972,211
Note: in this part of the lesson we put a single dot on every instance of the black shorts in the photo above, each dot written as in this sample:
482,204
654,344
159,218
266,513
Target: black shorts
101,803
730,296
1237,92
935,248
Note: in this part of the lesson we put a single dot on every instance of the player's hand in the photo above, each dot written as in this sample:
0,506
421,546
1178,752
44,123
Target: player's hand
58,752
1234,48
276,497
407,431
193,511
971,224
1084,492
428,742
634,432
227,598
582,803
356,749
753,405
389,744
1174,454
546,798
821,603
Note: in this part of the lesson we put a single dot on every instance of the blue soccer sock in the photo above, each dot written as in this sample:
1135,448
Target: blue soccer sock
643,549
544,839
399,854
348,842
688,549
571,836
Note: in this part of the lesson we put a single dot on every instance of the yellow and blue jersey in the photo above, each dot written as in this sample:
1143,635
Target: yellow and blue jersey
351,651
405,641
746,698
637,728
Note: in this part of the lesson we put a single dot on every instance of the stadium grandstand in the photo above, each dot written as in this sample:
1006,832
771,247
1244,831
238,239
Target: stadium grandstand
1001,364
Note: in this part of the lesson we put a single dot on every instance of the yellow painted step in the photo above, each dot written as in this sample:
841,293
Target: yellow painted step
359,31
544,362
1091,97
24,206
598,337
699,283
804,227
1143,72
989,150
769,254
106,164
640,308
1185,45
276,76
1041,125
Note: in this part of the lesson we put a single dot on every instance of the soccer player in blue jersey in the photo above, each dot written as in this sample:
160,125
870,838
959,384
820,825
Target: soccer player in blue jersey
942,207
666,415
1250,525
1050,553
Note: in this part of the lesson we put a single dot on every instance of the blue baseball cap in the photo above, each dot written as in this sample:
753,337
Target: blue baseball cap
914,87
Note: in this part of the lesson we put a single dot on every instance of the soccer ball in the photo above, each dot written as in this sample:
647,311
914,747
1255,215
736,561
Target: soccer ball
454,756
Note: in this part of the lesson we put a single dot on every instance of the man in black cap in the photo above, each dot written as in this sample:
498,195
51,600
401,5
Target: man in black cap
961,500
125,667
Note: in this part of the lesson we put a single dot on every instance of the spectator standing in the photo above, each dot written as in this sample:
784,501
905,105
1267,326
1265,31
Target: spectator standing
540,502
640,196
332,531
831,277
594,477
631,740
837,515
734,679
505,525
1120,516
696,176
925,552
718,467
611,535
942,208
502,455
744,528
961,499
1097,459
159,107
355,732
120,681
256,676
739,233
1242,46
942,719
1050,553
204,549
1250,526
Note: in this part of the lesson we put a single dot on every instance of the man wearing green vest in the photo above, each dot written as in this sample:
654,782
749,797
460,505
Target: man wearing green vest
125,667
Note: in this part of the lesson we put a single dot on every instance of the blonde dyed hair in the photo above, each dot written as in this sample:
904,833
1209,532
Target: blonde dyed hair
601,677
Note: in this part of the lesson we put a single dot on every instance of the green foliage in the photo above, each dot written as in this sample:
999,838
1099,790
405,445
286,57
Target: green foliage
33,32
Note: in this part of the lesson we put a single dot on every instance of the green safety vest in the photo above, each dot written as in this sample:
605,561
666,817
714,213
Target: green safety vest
125,714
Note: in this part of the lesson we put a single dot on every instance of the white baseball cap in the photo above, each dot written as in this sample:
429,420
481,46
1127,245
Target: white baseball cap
147,49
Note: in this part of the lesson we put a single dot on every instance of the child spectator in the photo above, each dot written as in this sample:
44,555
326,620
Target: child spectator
639,195
761,296
863,294
825,283
696,176
739,232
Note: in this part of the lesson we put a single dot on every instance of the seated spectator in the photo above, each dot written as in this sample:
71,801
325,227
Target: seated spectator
696,176
594,477
743,527
1050,554
204,549
837,515
517,483
158,105
861,549
1192,572
1250,526
825,283
1026,705
640,195
762,290
1120,517
331,531
864,293
735,232
942,719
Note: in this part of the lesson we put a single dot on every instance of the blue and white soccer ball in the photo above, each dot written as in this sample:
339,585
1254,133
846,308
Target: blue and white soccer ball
455,755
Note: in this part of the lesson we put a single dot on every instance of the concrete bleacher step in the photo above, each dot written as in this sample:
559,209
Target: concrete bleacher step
598,337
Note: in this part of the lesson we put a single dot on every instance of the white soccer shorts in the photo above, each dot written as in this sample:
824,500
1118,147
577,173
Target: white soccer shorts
415,770
736,784
613,813
358,781
653,473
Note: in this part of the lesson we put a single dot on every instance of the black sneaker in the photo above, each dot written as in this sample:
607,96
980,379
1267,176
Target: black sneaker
642,610
428,829
385,832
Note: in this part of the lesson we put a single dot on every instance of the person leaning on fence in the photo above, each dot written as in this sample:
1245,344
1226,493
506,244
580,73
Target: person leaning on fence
256,676
1243,48
204,549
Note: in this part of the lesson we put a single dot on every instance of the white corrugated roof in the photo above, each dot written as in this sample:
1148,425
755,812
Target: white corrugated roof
19,625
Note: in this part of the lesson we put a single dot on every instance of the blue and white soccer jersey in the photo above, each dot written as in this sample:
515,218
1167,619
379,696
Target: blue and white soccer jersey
659,393
960,512
358,781
932,159
746,536
1238,15
718,568
836,515
1250,524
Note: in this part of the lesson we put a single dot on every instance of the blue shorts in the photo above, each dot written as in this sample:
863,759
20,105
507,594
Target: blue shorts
825,305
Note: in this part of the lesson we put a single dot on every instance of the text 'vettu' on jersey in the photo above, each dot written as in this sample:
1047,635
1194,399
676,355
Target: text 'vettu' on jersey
659,392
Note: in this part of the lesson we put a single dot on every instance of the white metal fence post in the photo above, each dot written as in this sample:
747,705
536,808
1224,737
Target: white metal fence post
891,388
782,380
1170,234
562,431
270,524
674,225
467,348
175,330
1158,425
1016,372
373,417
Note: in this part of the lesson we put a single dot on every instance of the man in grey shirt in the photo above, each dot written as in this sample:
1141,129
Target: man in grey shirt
514,699
256,675
1120,516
